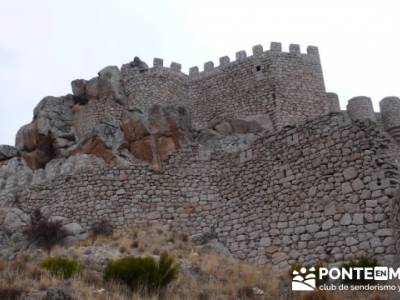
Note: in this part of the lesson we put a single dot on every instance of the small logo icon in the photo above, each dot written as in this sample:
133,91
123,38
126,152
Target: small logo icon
381,273
305,280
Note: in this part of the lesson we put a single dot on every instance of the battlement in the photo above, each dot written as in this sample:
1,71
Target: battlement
257,52
241,56
265,82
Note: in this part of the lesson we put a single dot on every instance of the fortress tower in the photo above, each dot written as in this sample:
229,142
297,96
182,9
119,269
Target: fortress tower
285,88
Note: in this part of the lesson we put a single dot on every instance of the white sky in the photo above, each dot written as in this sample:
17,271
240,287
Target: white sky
45,44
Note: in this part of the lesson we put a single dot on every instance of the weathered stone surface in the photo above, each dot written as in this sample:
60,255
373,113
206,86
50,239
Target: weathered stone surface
73,229
109,85
95,146
232,126
358,219
38,158
7,152
133,128
143,149
350,241
79,89
92,88
139,64
97,257
384,232
219,248
350,173
12,220
59,294
345,220
50,132
223,128
266,241
34,296
327,224
279,257
27,137
154,137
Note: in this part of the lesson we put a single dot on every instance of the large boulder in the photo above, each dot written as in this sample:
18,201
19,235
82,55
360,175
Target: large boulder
74,232
49,133
27,138
12,220
103,141
97,257
133,127
7,152
54,116
36,148
108,84
155,135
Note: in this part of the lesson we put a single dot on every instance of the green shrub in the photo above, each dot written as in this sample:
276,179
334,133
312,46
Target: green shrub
143,274
360,262
61,267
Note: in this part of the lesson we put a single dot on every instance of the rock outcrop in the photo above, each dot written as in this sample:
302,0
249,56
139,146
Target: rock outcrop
13,223
7,152
134,137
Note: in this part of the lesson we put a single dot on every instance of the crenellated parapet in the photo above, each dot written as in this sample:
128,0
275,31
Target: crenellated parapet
258,52
333,102
390,111
360,108
175,69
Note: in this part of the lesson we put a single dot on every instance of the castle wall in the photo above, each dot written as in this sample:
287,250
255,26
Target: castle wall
300,86
95,112
286,86
157,85
233,90
289,87
318,191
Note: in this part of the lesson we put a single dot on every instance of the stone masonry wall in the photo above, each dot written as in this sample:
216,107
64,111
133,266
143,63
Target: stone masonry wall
157,85
288,87
325,185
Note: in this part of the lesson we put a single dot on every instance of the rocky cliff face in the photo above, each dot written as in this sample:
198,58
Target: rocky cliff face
133,137
95,127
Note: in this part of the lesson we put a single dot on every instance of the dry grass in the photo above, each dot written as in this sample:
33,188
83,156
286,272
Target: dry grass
204,274
321,295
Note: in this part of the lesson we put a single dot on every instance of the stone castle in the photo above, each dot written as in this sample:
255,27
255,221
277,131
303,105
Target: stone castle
254,152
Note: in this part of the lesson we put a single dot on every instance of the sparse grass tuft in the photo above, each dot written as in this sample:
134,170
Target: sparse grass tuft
61,267
143,274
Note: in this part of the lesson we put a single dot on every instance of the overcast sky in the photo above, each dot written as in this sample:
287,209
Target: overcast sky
44,44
